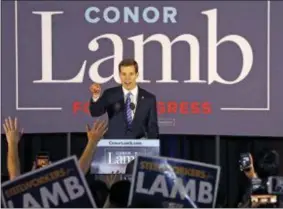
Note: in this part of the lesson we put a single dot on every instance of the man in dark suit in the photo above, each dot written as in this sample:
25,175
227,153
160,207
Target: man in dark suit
131,110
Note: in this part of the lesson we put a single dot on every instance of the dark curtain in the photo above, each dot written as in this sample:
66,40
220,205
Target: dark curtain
197,148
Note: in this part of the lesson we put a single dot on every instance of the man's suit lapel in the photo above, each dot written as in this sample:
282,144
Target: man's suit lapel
121,96
121,100
140,101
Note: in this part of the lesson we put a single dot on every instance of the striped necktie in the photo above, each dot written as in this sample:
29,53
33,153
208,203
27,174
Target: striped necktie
128,109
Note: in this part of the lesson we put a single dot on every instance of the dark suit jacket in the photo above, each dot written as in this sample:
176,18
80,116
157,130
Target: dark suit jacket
145,118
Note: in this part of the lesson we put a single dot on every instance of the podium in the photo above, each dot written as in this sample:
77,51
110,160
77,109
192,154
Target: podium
113,155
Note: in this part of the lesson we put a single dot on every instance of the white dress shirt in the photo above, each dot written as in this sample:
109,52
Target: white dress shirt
134,98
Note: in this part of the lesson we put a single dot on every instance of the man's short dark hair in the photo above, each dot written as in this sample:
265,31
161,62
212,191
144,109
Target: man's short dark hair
129,62
99,191
268,163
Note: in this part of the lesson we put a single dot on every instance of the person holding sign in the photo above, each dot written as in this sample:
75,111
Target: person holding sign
173,183
13,136
58,185
131,110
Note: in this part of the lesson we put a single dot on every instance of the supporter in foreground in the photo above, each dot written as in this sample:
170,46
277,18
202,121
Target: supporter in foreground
13,136
119,194
99,191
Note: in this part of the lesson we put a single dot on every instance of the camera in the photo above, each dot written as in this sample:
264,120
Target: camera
245,161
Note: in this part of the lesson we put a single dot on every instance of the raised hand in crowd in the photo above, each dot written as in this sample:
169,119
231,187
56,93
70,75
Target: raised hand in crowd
94,134
11,128
13,136
110,180
250,173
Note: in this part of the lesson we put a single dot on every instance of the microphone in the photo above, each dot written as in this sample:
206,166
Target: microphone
132,106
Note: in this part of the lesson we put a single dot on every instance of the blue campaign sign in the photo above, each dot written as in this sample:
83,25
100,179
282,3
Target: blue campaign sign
60,185
173,183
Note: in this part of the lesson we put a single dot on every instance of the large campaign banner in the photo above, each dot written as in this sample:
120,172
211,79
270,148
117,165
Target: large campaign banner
112,156
59,185
173,183
214,66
